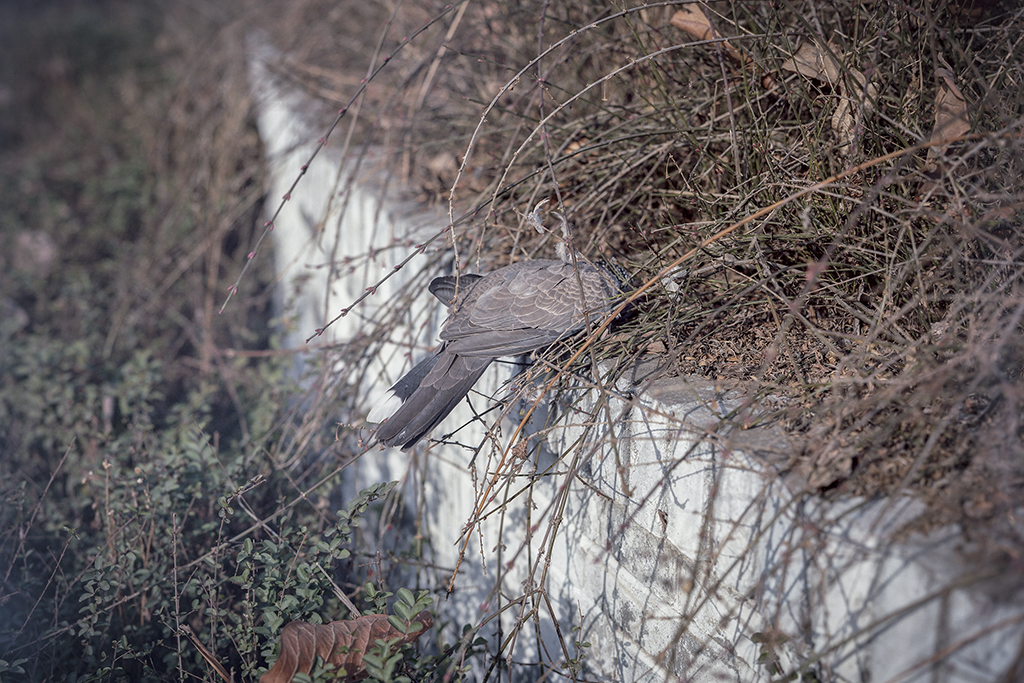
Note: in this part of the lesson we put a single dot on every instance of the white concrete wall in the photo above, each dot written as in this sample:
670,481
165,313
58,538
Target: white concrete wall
679,550
736,552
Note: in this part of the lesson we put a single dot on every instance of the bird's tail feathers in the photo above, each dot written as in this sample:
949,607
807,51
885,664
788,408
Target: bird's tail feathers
401,390
424,396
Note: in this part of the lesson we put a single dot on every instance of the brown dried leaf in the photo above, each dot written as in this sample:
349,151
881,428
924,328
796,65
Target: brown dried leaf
341,643
693,20
950,112
852,109
850,113
950,122
820,61
815,62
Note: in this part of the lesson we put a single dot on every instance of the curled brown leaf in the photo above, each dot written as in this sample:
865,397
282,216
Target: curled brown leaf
341,643
950,112
951,122
820,61
814,61
692,20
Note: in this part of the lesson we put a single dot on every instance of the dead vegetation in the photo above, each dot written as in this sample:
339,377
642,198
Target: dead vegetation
874,300
883,303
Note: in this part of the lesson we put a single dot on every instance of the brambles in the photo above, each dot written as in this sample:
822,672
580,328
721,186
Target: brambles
162,468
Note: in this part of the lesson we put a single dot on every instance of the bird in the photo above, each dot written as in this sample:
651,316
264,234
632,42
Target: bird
510,311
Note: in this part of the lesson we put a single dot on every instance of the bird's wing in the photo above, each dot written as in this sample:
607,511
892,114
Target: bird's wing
493,343
528,295
524,307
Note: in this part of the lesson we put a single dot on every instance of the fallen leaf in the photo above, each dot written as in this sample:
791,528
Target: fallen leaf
853,108
693,20
341,643
820,61
814,62
950,112
950,122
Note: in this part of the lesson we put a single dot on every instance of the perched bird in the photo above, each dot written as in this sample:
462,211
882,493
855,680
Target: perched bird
507,312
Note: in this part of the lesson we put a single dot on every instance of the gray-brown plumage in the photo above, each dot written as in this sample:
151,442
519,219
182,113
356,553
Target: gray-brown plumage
507,312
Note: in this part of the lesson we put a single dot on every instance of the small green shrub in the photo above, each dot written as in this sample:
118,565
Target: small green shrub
154,484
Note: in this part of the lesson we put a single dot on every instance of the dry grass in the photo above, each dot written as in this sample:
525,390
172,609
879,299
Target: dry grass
878,315
881,310
853,270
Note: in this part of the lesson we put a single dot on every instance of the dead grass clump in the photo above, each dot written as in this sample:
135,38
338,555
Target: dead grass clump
879,294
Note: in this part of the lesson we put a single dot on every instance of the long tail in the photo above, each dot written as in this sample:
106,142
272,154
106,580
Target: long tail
424,396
